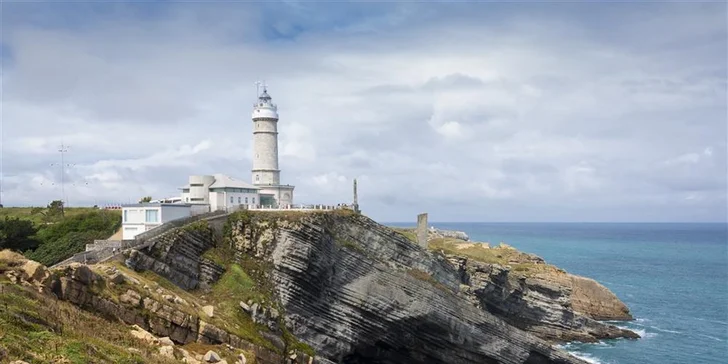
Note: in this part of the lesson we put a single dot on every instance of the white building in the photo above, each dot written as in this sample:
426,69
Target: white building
138,218
219,191
266,174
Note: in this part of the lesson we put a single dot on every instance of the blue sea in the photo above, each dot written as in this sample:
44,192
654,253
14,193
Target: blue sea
672,276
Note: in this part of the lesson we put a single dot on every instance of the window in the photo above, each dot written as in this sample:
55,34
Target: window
231,199
246,200
152,216
253,200
198,199
196,185
257,178
187,199
240,200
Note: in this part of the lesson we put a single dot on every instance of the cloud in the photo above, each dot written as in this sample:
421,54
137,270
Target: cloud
470,112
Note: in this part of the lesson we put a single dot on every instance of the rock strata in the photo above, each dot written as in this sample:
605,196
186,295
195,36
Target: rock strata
553,306
359,293
150,315
178,257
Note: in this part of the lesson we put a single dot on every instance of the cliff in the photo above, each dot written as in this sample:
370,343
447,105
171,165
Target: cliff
331,287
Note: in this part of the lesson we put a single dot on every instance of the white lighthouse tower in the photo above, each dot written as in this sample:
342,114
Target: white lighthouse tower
266,174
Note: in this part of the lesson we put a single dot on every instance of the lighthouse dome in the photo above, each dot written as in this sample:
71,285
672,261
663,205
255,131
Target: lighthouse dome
264,108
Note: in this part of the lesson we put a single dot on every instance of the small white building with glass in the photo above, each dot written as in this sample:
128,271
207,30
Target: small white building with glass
138,218
220,192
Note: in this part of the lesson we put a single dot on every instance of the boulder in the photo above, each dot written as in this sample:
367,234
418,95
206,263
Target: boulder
166,341
117,278
82,273
34,271
209,310
241,359
211,357
142,334
131,298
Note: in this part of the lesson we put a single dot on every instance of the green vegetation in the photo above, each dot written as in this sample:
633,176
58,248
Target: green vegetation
198,226
61,240
17,234
53,233
233,287
407,232
427,277
350,245
46,215
478,251
520,263
40,329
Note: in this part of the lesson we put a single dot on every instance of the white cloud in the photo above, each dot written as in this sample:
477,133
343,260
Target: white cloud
464,118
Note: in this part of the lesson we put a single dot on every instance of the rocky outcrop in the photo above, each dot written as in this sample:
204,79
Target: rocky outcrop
354,290
150,310
553,305
434,233
178,257
358,292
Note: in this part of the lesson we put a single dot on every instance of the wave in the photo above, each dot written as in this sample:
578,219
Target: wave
572,348
586,357
641,332
665,330
710,337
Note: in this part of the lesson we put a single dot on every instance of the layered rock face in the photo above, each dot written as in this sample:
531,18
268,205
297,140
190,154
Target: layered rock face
358,292
553,305
152,309
178,257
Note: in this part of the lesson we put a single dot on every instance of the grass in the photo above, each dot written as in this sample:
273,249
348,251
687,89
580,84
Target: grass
38,219
223,254
407,232
40,329
235,286
348,244
503,255
427,277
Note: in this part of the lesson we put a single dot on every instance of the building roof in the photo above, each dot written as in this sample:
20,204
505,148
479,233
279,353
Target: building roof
223,181
149,204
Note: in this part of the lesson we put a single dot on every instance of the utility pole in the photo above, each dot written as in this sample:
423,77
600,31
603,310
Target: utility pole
63,149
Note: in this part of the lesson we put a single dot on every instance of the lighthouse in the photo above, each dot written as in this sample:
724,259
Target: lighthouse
266,174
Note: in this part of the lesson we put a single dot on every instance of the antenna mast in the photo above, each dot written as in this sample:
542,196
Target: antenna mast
63,150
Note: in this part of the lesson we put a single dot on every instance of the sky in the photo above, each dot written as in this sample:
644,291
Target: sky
469,111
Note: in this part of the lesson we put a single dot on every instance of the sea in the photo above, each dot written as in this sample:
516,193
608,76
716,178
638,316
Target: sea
672,276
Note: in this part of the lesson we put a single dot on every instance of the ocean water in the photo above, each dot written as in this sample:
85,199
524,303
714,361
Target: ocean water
673,277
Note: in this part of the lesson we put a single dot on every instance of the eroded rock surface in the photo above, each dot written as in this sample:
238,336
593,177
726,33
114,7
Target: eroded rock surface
360,293
553,305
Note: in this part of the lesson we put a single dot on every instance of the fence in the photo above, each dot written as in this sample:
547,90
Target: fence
318,207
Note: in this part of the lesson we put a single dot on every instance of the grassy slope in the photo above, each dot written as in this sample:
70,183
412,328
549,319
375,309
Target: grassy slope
483,252
40,329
